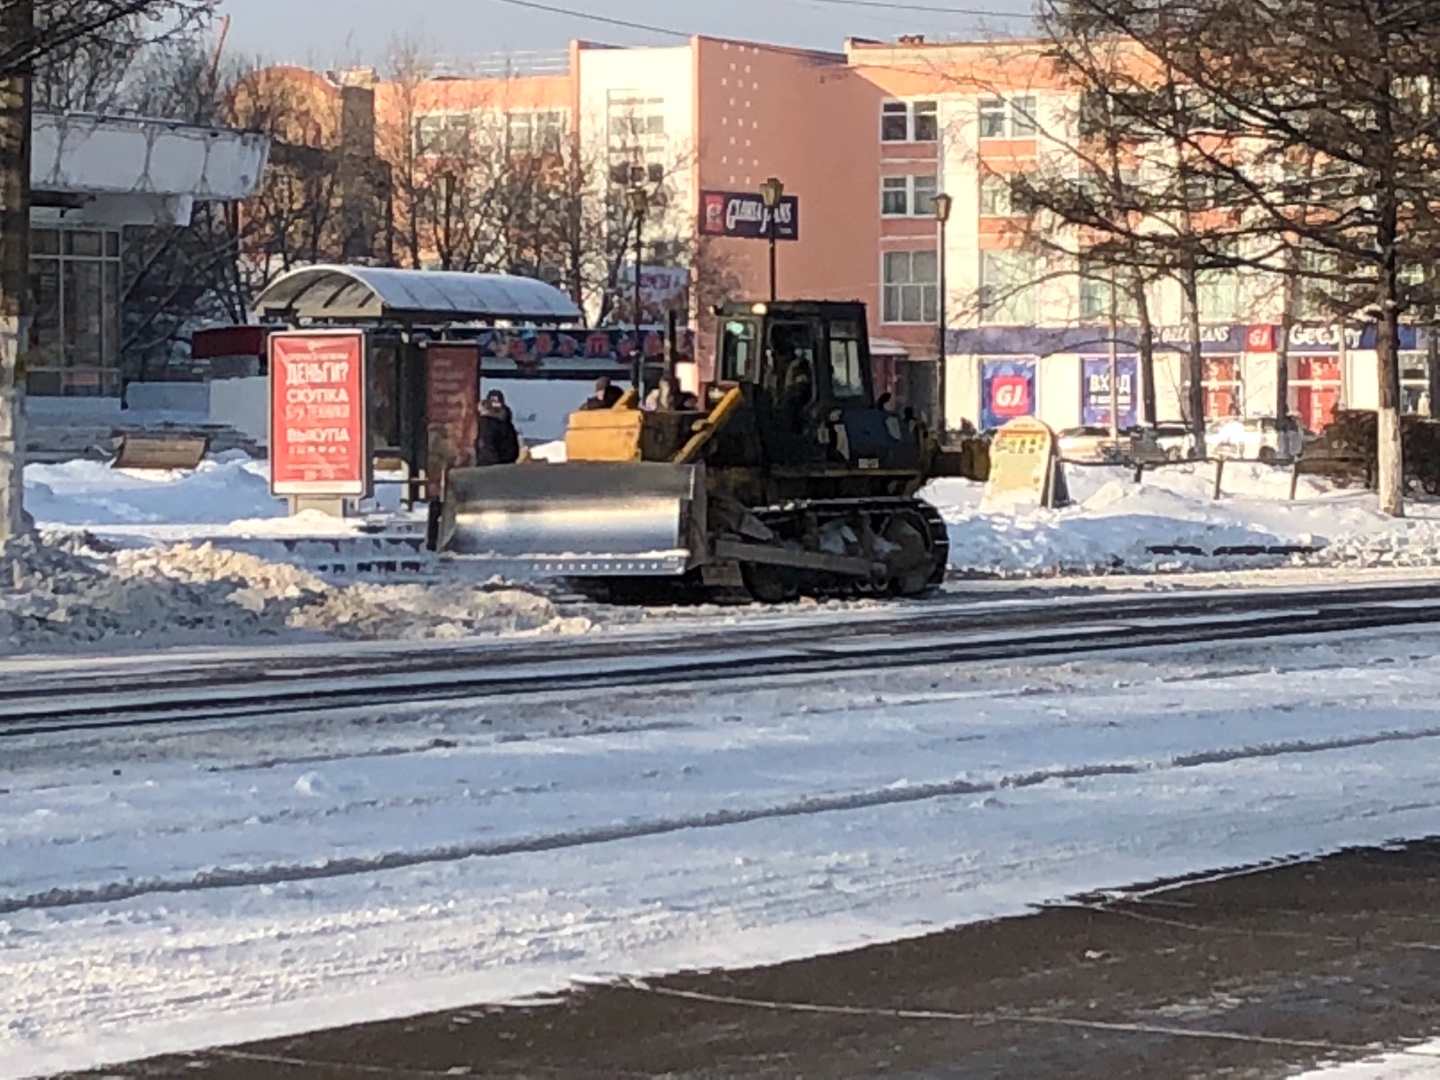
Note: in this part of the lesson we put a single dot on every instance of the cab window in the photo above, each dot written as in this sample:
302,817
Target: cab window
737,351
847,380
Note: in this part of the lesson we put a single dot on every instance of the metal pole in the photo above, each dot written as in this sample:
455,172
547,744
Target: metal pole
772,256
637,365
1114,365
17,26
942,420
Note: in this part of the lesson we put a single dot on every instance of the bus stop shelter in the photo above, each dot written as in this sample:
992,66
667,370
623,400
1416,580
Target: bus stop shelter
371,367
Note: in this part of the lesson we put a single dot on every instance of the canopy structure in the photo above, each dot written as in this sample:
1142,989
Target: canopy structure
368,293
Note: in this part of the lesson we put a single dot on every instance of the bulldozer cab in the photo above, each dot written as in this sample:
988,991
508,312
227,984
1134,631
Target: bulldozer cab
804,369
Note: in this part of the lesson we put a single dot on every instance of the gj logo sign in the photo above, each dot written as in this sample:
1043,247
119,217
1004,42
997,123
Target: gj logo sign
1010,396
1007,390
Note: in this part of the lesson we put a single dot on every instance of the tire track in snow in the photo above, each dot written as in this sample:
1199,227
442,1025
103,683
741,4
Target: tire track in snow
283,873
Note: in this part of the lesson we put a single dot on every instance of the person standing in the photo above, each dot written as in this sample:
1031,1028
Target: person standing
605,395
497,442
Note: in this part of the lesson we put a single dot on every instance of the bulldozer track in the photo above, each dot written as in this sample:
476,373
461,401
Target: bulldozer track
225,691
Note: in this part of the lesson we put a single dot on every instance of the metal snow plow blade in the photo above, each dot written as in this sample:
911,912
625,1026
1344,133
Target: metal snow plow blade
580,519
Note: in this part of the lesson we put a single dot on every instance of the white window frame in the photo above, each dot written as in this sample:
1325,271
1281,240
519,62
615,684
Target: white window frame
926,107
989,181
1016,115
923,293
1017,306
911,207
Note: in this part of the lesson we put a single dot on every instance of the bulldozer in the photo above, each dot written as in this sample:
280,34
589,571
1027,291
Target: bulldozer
788,478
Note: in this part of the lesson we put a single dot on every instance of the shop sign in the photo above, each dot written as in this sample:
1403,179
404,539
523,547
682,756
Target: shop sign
1025,467
1325,338
1095,391
1007,391
1209,335
744,214
318,437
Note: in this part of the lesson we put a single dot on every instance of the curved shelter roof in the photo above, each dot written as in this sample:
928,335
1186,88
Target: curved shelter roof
381,293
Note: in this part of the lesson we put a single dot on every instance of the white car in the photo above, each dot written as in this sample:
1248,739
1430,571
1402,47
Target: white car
1256,439
1090,444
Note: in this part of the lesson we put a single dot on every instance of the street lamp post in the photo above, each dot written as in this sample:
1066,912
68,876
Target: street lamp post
942,204
771,192
638,201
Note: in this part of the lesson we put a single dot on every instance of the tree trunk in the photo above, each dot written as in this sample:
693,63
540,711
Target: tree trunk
16,24
1148,409
1194,360
1389,466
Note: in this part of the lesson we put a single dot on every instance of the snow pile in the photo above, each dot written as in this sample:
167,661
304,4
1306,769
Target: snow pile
553,452
56,591
1117,525
222,489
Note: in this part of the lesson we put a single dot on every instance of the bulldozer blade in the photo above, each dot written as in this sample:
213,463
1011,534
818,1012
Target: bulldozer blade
579,519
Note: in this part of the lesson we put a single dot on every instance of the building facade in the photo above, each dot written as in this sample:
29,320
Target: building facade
865,138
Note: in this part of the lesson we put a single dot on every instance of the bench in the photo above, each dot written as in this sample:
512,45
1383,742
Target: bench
160,452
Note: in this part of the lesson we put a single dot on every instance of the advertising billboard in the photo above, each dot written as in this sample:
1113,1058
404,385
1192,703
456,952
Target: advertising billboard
452,401
1007,390
1095,391
318,439
743,214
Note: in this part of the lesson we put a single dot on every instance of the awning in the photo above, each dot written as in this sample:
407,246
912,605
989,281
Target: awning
434,296
80,154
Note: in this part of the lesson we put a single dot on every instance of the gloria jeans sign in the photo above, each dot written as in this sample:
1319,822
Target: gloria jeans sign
744,214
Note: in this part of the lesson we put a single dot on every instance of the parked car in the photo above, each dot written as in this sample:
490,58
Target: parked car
1166,441
1262,438
1091,444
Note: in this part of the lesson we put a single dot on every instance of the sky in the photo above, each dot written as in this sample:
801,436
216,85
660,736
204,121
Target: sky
325,33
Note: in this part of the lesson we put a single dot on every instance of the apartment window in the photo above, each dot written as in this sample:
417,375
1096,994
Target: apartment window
895,196
909,121
1319,290
909,287
1095,295
925,118
536,131
1007,118
894,122
1006,292
908,196
923,190
1218,293
443,133
995,200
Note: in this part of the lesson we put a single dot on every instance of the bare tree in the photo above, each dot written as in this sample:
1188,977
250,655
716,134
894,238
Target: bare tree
33,37
1342,88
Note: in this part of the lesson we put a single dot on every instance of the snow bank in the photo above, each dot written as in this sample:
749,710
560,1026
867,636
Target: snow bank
55,591
1115,524
222,489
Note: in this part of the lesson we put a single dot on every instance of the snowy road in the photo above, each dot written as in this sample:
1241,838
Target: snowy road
179,889
241,684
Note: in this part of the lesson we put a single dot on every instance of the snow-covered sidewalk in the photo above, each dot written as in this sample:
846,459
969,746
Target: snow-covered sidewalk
183,890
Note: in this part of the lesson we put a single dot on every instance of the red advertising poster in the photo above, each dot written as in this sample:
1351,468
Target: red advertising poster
318,442
452,398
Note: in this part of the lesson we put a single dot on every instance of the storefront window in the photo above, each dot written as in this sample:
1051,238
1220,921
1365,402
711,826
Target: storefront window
1222,387
75,337
1414,383
1315,390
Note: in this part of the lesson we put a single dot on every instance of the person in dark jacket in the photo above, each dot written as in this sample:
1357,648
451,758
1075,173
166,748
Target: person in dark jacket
497,442
605,395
